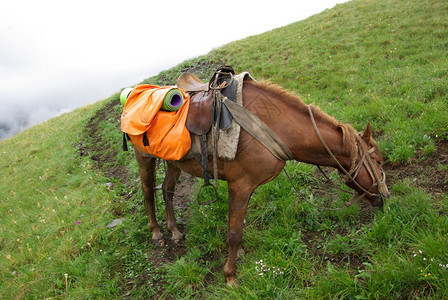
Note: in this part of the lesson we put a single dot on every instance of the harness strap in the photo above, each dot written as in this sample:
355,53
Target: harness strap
259,130
204,152
204,160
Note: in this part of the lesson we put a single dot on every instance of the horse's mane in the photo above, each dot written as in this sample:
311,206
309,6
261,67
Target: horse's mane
348,132
288,96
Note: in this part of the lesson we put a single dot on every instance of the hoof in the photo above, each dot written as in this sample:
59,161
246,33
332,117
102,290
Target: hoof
240,252
177,238
178,242
232,283
158,242
157,239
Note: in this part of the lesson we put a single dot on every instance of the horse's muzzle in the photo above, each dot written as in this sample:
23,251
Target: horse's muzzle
384,191
377,202
386,195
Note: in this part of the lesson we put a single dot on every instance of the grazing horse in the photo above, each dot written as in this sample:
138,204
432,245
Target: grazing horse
312,137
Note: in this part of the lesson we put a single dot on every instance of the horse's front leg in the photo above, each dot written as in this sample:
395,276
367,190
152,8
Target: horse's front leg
169,184
239,196
147,167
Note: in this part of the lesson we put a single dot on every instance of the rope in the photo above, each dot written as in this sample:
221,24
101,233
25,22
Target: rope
332,182
353,169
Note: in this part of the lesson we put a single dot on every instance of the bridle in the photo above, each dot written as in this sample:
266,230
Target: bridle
366,161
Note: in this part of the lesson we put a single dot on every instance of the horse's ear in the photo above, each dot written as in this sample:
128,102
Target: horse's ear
367,133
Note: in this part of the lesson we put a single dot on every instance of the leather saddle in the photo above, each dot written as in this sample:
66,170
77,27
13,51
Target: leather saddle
206,113
204,110
189,82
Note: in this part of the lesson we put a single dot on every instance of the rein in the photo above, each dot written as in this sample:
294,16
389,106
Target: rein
354,169
352,173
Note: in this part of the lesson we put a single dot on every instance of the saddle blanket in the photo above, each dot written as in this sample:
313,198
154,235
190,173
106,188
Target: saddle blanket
153,131
228,139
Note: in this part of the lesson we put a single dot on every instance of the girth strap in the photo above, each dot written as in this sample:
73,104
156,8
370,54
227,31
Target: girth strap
204,162
259,130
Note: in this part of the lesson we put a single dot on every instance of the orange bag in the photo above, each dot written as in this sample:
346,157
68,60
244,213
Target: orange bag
165,132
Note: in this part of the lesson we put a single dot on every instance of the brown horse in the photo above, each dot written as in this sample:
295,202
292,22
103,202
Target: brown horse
255,165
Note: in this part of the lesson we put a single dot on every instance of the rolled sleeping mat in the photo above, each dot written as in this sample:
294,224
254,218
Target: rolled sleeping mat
173,100
124,95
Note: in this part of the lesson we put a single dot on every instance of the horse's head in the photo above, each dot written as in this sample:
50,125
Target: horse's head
367,171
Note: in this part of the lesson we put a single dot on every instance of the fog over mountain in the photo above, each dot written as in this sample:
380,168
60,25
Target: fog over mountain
24,105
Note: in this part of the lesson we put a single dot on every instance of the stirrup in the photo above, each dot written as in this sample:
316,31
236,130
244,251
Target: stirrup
207,202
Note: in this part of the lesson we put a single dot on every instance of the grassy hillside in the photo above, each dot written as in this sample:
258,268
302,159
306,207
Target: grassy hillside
380,61
52,212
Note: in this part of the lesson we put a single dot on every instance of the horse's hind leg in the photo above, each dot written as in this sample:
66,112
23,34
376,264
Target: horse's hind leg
169,184
147,167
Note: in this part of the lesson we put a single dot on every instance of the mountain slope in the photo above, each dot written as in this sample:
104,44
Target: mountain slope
52,203
380,61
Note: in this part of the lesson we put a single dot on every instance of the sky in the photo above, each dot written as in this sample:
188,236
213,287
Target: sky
58,55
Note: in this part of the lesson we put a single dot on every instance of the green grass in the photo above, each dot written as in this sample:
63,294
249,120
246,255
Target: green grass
379,61
51,215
